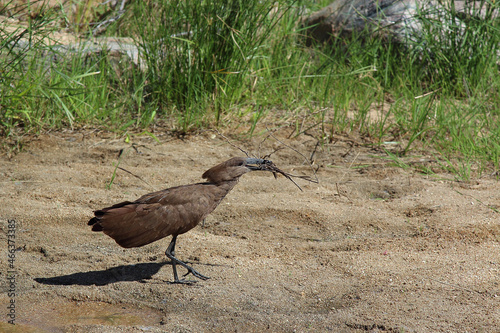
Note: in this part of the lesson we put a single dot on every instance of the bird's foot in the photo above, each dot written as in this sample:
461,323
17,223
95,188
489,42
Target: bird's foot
196,274
190,282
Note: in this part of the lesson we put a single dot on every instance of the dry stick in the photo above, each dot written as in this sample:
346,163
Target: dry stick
260,144
456,286
482,203
119,167
246,153
307,129
314,151
265,139
271,153
272,167
122,151
232,144
305,158
235,146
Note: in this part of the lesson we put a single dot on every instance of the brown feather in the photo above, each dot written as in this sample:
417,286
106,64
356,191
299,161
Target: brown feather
172,211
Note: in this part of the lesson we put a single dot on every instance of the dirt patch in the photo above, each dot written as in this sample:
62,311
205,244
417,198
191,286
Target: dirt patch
369,248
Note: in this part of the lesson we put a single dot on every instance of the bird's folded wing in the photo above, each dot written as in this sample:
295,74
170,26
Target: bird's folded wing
136,224
156,215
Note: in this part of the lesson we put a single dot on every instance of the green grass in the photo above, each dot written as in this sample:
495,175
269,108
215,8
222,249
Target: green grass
238,65
198,59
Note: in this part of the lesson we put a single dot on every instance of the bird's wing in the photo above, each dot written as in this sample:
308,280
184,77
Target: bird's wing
154,216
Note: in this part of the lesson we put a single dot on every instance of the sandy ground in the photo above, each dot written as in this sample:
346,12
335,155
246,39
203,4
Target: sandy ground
371,247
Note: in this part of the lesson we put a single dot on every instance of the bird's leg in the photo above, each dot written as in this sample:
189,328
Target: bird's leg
170,253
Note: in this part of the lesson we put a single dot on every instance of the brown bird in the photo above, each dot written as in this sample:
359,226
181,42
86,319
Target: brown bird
173,211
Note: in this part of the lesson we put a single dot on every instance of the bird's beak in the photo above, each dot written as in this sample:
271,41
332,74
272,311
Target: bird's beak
255,164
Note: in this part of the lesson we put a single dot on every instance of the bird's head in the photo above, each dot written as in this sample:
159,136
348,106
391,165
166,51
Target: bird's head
234,168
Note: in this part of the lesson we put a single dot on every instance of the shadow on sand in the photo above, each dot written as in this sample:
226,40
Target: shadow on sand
138,272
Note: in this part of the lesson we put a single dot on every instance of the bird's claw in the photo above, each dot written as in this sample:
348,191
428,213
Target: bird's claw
196,274
190,282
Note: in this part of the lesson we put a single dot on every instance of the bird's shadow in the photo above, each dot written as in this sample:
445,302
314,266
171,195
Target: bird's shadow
138,272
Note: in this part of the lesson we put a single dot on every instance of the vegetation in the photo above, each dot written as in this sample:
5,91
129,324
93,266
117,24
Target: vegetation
207,65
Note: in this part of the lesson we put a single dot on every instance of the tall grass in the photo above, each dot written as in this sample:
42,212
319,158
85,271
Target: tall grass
457,48
245,61
45,85
19,75
199,52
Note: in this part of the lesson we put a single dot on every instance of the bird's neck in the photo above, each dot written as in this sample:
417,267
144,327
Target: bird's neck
216,194
226,186
222,189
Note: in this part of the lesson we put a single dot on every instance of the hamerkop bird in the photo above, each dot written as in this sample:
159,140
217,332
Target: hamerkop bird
173,211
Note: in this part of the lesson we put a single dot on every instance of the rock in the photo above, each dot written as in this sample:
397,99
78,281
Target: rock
394,20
